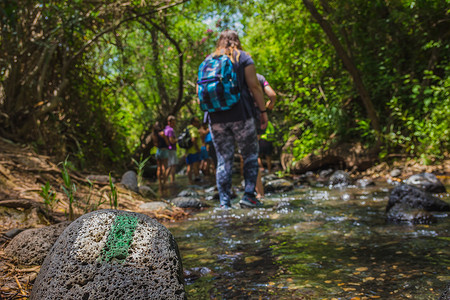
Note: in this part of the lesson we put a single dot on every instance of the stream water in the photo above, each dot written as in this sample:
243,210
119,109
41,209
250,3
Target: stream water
313,243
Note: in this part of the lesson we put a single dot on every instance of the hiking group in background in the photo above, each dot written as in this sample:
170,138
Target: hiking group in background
231,94
166,153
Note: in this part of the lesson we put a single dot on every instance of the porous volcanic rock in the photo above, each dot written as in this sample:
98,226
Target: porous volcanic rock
415,198
30,247
402,213
112,254
446,293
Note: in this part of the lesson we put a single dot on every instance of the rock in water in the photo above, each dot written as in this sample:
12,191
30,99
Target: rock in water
396,173
403,213
364,182
340,179
187,202
112,254
278,185
446,293
415,198
427,182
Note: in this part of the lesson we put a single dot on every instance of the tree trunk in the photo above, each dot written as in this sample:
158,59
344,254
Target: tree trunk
159,77
348,63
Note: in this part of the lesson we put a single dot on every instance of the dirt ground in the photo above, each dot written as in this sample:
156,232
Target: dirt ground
23,173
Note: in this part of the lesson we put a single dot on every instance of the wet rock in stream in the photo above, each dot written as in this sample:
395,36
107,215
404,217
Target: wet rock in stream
408,204
446,293
415,198
340,179
402,213
278,185
427,182
188,202
364,182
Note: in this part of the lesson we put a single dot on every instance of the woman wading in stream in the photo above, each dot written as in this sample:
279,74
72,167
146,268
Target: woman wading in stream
236,123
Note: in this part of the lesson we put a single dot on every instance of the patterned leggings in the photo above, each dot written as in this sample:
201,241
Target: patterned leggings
224,135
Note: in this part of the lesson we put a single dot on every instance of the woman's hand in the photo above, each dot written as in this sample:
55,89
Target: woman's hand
264,120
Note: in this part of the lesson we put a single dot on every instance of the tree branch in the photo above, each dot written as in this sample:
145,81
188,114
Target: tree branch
120,22
348,63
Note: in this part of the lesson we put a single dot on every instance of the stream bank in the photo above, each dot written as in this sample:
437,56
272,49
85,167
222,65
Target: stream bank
23,173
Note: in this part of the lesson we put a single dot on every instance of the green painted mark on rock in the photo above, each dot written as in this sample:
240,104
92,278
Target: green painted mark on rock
119,239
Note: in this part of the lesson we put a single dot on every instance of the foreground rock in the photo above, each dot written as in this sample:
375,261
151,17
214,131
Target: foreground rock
415,198
112,254
427,182
30,247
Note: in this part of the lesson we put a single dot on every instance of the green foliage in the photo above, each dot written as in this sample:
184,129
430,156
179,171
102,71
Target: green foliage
428,136
107,72
140,165
89,204
49,197
399,50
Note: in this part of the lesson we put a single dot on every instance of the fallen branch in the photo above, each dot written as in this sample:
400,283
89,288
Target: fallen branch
20,286
19,203
33,269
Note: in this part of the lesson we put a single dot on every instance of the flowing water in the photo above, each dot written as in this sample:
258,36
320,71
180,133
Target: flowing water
313,243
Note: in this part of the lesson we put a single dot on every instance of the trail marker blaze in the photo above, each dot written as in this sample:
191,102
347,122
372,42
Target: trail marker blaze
119,239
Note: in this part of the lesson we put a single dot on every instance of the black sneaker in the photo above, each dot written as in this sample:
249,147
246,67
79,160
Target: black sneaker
250,201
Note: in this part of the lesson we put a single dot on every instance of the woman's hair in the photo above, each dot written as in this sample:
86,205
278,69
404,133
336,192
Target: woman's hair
228,43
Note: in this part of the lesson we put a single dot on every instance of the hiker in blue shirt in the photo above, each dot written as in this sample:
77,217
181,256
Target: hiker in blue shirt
236,124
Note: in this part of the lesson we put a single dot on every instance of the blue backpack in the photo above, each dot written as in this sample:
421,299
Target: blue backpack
218,86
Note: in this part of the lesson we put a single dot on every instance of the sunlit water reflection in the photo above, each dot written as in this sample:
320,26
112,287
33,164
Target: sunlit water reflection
313,243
